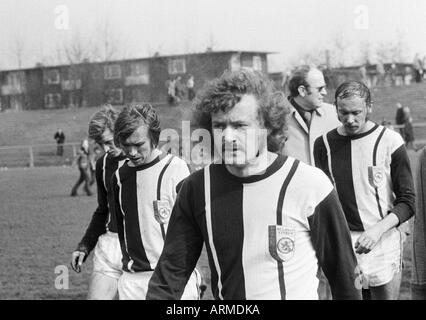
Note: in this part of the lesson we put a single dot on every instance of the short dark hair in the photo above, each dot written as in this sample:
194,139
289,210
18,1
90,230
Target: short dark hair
131,118
102,120
223,93
351,89
298,78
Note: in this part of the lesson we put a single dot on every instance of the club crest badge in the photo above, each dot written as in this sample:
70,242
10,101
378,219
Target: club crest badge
376,176
281,242
162,211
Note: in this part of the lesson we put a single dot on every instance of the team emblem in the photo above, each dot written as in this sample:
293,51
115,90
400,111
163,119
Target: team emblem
281,242
376,176
162,211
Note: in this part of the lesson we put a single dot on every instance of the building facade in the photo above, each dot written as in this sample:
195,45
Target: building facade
116,82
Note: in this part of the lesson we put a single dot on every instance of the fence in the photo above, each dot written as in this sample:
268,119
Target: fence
38,155
45,154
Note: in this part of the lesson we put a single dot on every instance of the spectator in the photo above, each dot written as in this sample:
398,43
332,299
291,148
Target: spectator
171,91
399,118
418,68
83,163
190,87
179,91
60,138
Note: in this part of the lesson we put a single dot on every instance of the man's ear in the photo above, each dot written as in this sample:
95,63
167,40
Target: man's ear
302,90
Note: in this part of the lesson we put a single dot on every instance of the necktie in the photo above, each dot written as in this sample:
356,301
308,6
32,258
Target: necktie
307,117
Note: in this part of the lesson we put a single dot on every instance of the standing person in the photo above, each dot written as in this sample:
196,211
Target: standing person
400,118
60,139
102,230
408,129
370,169
190,87
267,220
144,191
83,164
309,116
418,270
171,91
418,68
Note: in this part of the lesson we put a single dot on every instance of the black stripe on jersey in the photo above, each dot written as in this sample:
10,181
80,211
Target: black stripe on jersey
376,145
129,204
280,222
341,164
227,205
160,179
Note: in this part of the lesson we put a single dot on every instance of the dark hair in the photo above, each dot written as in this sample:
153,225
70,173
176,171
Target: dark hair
297,79
102,120
223,93
351,89
132,117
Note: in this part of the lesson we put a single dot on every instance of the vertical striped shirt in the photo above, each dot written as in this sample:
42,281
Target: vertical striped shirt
371,172
134,191
265,235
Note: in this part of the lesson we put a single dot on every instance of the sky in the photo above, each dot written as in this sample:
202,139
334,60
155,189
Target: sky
289,28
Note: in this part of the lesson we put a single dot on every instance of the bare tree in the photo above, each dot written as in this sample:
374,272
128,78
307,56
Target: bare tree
111,44
18,49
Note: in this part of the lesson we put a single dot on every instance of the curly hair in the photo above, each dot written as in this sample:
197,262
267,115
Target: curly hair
132,117
102,120
223,93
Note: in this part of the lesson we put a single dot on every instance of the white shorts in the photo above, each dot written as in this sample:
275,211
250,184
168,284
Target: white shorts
381,264
134,286
107,256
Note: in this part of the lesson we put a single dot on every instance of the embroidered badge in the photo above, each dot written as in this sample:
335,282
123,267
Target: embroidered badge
281,242
162,211
376,176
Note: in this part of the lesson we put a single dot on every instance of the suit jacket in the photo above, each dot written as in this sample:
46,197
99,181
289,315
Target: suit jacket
300,139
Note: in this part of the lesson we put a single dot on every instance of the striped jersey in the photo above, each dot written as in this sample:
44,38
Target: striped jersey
371,172
102,219
140,195
265,235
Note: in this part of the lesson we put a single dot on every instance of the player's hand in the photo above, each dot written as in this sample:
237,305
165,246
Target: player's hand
368,240
77,260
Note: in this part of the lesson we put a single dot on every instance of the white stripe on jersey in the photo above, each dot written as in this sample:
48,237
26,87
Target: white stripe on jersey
327,147
124,219
209,228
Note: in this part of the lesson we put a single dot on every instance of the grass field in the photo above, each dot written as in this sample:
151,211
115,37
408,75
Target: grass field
41,225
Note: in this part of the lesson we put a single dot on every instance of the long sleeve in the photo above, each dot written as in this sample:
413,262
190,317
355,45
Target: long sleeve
403,186
331,240
181,250
97,225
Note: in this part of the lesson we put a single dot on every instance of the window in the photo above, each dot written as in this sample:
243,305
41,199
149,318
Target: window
177,66
52,100
257,63
15,78
235,62
139,74
139,68
114,96
51,76
247,62
112,71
